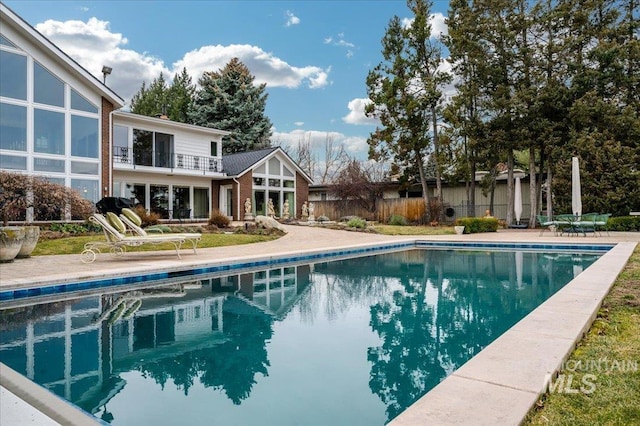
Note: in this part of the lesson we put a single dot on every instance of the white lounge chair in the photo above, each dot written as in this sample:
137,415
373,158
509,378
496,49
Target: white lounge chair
134,223
117,242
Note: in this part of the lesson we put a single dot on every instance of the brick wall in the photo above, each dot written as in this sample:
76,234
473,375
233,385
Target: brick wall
106,164
302,193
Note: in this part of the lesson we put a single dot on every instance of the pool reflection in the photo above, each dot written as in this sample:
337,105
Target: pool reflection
423,312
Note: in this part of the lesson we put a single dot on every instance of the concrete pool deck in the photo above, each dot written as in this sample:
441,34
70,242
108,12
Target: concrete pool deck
497,386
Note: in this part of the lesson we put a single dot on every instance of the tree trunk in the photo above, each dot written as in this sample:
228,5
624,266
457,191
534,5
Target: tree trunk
436,148
549,193
533,188
510,187
423,183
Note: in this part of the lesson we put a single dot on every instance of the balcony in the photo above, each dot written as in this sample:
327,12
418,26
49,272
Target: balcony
131,159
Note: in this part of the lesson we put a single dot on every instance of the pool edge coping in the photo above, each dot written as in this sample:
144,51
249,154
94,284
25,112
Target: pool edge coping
422,411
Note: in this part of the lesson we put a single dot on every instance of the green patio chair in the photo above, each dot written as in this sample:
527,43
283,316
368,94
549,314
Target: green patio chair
601,223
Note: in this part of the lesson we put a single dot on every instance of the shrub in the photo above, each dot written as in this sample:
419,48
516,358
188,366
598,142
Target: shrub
75,228
398,220
357,222
624,223
322,219
473,225
218,219
148,219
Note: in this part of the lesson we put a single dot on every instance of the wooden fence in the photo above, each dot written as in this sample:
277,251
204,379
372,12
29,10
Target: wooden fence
410,208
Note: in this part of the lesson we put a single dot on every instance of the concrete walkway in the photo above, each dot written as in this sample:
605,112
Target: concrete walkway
498,386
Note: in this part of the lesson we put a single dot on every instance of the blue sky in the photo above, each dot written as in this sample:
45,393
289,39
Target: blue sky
313,55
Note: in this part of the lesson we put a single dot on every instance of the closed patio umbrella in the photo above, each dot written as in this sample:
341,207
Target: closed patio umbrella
517,201
576,196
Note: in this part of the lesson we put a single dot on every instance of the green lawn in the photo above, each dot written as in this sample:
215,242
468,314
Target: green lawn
607,360
75,245
413,230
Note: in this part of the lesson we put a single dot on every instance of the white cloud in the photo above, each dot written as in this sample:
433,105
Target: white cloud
93,45
299,123
291,19
341,42
266,67
356,146
356,113
438,25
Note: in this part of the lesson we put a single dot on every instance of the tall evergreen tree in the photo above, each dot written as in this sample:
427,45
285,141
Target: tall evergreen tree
159,99
229,100
152,100
405,90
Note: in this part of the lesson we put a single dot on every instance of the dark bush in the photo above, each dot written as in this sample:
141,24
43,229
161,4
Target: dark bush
624,223
398,220
218,219
148,219
474,225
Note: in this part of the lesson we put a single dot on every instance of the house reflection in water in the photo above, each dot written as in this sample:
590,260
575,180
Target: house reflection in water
201,330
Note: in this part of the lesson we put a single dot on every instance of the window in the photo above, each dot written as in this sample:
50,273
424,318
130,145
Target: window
13,127
143,147
214,149
81,168
289,184
121,143
274,166
87,188
287,172
47,88
5,42
48,165
11,162
79,103
84,137
257,181
13,75
48,132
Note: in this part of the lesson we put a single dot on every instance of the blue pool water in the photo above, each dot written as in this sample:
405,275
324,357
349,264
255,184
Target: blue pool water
351,342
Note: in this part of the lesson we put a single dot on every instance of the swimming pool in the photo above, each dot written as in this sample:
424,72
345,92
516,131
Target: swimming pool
349,342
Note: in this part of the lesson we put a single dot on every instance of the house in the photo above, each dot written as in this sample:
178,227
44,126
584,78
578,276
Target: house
454,196
260,176
59,122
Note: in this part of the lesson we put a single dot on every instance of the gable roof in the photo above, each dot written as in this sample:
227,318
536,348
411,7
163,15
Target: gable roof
9,17
241,162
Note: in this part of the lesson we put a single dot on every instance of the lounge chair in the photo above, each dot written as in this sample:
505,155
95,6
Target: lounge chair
546,223
117,242
133,223
601,223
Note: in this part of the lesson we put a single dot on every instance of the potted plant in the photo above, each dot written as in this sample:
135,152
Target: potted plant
11,238
31,236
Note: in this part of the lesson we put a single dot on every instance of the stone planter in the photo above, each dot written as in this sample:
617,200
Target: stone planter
31,235
11,238
459,229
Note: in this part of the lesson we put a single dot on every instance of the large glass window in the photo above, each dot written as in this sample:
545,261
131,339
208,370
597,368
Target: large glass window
87,188
13,75
47,88
48,132
13,127
143,147
84,137
274,166
79,103
121,150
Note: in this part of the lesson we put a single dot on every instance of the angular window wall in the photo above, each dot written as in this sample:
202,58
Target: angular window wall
47,127
276,182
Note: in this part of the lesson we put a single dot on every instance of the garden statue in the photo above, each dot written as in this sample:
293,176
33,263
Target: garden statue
312,216
285,210
305,211
248,213
270,209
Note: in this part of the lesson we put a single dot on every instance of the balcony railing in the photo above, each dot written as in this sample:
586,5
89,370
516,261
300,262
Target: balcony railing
171,161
